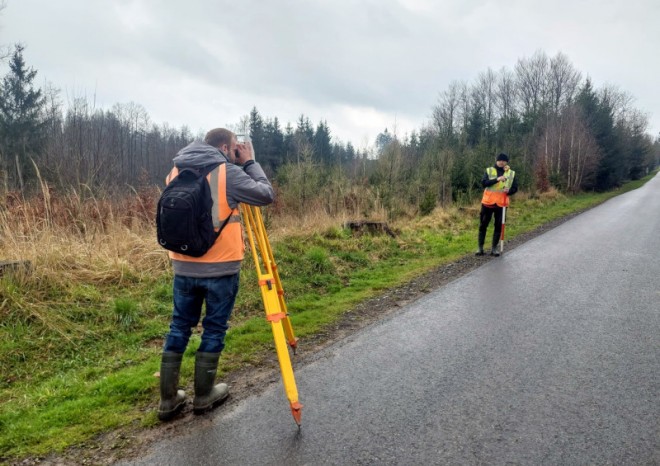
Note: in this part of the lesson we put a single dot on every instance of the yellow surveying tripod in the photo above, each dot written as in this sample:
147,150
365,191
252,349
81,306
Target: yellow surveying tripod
273,297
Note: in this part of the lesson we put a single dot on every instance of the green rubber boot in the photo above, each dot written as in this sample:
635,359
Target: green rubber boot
207,395
481,240
171,398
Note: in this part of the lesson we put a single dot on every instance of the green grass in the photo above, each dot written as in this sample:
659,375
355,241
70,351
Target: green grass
90,369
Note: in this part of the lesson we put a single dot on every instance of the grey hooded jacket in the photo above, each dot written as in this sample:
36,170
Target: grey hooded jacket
248,185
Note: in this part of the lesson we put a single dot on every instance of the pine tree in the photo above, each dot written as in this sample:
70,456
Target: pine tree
599,116
274,144
289,145
322,147
305,130
257,133
383,140
21,117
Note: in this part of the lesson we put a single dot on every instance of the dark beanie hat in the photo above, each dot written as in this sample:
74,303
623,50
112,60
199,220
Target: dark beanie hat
503,156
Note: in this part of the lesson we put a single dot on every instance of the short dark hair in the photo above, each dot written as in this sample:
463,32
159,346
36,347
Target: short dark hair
219,136
503,156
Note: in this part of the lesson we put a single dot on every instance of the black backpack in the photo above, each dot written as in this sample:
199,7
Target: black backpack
184,221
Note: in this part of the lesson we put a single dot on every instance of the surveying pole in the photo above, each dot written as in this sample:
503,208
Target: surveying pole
502,233
506,203
273,298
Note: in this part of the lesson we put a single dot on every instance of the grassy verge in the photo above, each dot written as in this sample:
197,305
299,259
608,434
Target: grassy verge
78,355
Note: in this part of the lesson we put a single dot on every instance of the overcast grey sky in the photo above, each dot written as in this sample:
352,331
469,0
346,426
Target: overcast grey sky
362,65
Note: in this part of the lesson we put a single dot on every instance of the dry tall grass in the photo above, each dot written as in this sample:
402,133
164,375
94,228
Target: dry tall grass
78,239
315,219
81,238
75,237
327,208
72,240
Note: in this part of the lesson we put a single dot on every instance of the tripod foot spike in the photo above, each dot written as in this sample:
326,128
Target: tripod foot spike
296,410
294,345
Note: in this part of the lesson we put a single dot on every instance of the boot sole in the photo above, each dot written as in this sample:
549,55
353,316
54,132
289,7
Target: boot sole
167,415
214,404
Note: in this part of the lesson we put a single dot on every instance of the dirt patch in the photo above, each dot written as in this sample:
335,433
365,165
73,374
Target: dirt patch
134,441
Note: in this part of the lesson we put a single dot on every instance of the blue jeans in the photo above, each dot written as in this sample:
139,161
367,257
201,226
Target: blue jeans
189,294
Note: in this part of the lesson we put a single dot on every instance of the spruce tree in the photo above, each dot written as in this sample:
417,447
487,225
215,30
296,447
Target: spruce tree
598,114
257,132
21,117
322,146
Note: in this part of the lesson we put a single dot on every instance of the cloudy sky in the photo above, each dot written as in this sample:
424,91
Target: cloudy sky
362,65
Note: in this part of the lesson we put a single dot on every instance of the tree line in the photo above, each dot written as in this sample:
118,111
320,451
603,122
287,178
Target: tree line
557,128
563,131
79,144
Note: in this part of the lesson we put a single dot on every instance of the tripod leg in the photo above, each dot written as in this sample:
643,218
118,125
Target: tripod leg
272,296
272,268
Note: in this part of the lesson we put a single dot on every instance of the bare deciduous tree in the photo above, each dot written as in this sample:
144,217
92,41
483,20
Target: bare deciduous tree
572,150
563,81
4,49
445,113
487,92
464,107
618,101
505,93
531,74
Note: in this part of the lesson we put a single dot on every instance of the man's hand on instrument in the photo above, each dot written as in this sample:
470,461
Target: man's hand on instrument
244,152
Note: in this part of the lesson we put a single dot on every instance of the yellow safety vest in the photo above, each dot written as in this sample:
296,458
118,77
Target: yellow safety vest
495,194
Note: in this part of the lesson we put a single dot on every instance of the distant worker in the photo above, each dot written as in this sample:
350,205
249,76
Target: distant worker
213,277
499,183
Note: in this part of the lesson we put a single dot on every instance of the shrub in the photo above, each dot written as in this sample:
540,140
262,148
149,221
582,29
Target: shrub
427,204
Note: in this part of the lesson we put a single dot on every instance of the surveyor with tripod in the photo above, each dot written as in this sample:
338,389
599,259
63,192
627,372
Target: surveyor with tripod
499,183
211,178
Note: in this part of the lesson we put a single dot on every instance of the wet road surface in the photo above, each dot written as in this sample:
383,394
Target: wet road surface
547,355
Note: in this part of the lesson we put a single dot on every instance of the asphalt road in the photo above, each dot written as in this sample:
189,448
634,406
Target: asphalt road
547,355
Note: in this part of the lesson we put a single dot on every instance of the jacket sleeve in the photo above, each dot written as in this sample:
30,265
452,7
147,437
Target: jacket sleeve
486,181
250,186
514,186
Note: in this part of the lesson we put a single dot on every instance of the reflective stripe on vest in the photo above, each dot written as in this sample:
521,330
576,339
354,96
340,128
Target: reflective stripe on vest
229,246
495,194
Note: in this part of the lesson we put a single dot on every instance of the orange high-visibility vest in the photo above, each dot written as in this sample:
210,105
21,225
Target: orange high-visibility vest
229,247
495,194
